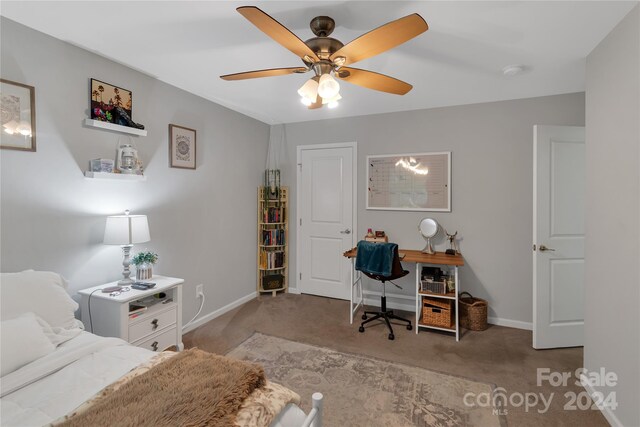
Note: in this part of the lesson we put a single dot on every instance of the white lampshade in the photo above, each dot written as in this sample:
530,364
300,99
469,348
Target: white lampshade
328,87
126,230
309,90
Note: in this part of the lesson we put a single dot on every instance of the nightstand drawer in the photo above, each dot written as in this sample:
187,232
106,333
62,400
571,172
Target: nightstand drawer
159,342
151,324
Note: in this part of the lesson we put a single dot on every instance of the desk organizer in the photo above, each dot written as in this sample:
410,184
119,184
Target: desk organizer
434,287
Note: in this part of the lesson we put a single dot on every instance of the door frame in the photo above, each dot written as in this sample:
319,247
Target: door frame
354,202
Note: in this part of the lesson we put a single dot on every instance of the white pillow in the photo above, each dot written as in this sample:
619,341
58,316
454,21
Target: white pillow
21,342
39,292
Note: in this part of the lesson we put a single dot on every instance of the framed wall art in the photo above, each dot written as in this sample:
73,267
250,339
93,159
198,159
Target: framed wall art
409,182
17,116
104,100
182,147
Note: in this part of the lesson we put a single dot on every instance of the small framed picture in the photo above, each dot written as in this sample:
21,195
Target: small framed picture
18,116
182,147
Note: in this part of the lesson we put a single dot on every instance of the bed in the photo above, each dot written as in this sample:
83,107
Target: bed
55,373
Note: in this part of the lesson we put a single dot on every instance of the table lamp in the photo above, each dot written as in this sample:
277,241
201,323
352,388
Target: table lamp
126,230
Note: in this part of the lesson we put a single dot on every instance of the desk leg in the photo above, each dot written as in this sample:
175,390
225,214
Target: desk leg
357,297
457,289
351,301
418,302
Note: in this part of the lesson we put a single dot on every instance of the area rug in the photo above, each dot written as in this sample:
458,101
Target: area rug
364,391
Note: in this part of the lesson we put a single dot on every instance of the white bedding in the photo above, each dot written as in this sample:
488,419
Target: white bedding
32,396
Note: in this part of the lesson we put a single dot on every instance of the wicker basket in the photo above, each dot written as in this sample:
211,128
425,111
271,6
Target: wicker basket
437,312
473,312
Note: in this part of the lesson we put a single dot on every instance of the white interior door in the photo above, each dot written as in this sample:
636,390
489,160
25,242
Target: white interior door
326,195
558,236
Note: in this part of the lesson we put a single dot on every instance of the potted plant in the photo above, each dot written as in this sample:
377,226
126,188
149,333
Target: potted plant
144,264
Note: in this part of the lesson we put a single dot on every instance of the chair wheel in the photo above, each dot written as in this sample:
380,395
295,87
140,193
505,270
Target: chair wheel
391,337
364,317
361,328
409,327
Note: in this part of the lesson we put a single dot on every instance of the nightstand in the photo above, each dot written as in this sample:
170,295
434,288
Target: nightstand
156,327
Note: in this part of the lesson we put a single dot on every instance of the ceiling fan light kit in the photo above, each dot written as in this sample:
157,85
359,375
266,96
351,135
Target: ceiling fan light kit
325,55
328,87
330,100
309,89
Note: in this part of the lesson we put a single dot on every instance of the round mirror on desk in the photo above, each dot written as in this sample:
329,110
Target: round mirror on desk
428,228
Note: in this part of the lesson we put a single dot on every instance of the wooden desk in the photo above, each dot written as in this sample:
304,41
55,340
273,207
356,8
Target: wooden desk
419,258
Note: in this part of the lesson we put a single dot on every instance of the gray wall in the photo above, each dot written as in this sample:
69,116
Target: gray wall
53,218
492,167
612,322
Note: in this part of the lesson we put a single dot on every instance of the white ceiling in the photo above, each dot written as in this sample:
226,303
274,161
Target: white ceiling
458,61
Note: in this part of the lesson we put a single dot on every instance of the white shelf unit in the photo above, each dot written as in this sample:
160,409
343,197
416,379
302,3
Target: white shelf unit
281,204
452,296
116,176
118,128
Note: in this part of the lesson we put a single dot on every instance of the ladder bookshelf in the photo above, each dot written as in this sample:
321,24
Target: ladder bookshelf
273,240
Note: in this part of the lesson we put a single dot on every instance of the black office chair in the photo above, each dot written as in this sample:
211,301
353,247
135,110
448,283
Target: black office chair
396,273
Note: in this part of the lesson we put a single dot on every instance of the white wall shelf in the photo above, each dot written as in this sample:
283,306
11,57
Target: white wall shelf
114,127
116,176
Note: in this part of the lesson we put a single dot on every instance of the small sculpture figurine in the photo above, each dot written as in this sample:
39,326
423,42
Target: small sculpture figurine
452,241
125,120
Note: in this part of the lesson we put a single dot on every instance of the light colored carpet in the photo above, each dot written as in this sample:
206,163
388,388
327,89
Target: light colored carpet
364,391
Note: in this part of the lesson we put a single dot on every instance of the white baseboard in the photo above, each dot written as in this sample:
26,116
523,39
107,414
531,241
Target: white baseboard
394,301
219,312
606,411
372,298
407,303
518,324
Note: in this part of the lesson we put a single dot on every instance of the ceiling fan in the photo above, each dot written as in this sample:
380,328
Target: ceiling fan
325,55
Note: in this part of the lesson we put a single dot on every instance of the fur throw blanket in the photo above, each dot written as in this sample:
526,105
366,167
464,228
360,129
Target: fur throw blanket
193,388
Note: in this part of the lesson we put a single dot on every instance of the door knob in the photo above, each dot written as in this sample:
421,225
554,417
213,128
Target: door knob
347,231
543,248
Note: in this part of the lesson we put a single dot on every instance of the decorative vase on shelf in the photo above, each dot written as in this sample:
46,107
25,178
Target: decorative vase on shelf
144,271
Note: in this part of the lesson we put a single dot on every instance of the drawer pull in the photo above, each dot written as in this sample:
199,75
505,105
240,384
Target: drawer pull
154,322
154,346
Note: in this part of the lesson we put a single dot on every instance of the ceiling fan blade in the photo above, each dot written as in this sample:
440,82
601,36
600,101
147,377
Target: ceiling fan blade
263,73
382,39
375,81
317,104
277,31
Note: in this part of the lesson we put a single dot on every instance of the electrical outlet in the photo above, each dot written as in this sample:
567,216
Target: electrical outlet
199,290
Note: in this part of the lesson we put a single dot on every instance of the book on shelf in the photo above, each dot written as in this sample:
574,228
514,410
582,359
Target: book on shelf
273,237
271,260
272,215
136,310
